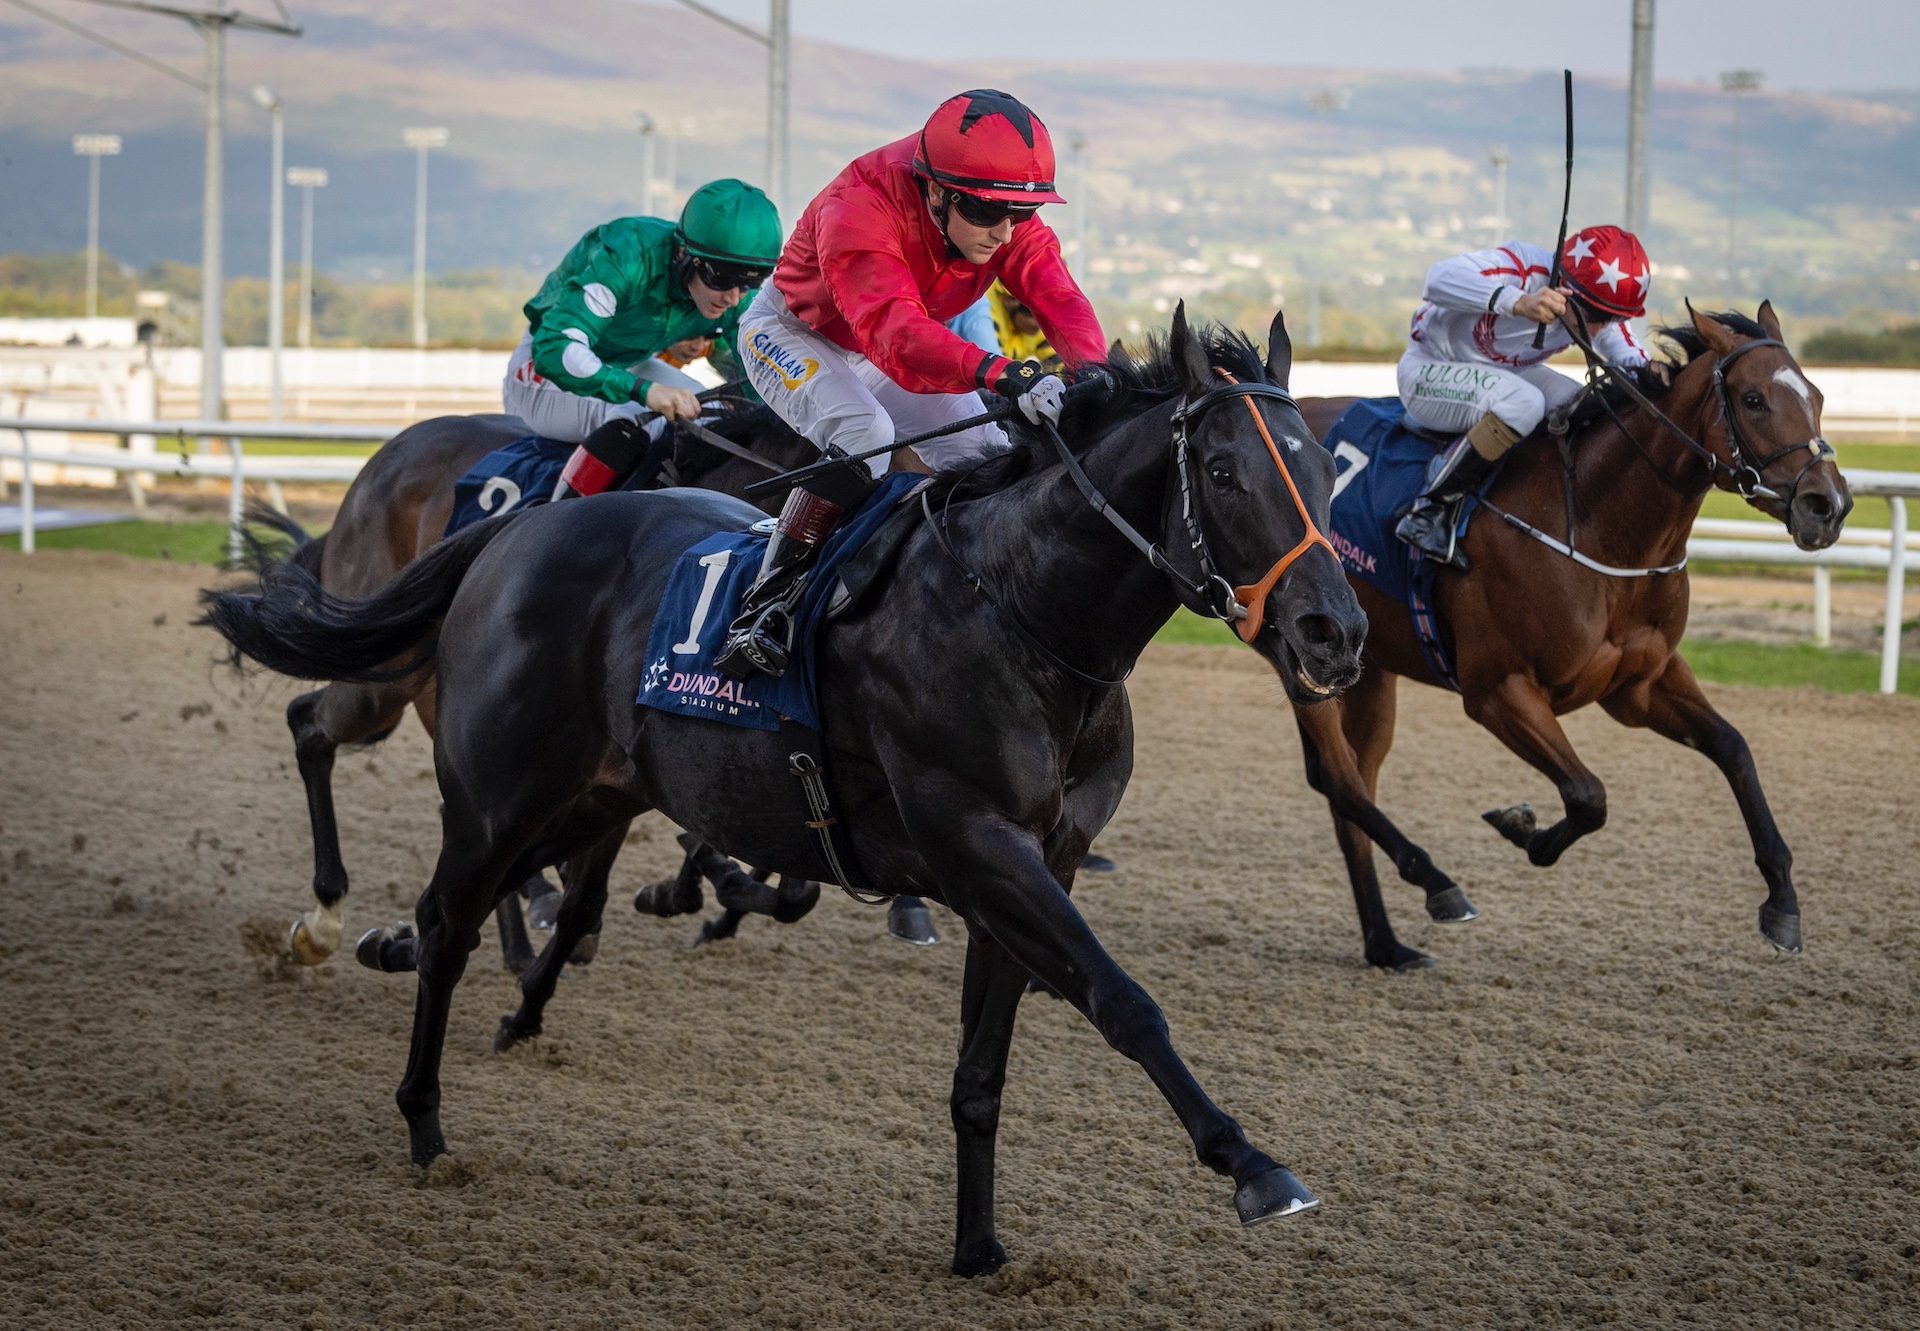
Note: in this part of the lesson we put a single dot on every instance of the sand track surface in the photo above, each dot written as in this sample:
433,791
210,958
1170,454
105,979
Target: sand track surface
1609,1104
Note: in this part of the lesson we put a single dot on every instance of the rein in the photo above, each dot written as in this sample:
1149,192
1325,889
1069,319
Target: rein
1241,608
1745,472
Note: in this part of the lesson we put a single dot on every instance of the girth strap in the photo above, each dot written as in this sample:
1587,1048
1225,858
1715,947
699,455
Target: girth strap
806,760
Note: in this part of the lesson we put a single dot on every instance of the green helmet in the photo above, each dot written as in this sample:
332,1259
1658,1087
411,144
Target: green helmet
731,222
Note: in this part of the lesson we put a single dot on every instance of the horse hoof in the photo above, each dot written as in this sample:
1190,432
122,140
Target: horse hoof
543,912
304,948
510,1035
979,1259
1451,907
1271,1196
1781,928
912,924
384,950
795,899
662,899
585,950
1097,864
1401,959
1516,823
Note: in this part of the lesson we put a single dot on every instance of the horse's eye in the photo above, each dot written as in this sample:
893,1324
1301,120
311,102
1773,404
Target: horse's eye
1752,401
1221,475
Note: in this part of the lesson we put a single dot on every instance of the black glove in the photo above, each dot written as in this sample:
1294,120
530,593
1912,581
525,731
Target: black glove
1040,395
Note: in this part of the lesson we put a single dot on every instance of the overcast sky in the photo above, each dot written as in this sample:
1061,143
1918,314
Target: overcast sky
1842,45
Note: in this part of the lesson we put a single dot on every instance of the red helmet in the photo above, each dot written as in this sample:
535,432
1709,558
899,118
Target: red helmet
1608,269
987,143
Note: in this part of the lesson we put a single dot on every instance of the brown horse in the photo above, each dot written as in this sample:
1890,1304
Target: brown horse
397,507
1535,634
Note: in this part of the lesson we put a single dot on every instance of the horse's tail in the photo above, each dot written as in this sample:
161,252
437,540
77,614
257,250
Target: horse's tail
294,544
291,624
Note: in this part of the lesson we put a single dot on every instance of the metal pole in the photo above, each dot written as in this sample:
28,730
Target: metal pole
420,248
1639,110
306,265
213,339
1737,82
277,273
1896,593
779,42
93,236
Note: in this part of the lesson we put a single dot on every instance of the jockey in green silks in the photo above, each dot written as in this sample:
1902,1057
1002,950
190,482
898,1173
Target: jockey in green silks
589,371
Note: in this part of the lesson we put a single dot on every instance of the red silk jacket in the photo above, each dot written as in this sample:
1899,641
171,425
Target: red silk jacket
868,269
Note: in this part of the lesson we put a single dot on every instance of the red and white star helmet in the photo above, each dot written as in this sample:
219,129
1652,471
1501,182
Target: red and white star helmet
1608,269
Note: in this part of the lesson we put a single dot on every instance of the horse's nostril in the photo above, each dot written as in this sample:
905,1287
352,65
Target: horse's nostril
1319,630
1817,506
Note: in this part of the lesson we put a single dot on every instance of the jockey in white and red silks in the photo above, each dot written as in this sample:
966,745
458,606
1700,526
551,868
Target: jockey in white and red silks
848,343
1471,364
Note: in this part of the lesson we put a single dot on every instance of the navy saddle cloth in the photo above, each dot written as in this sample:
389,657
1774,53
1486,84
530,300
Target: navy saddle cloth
1383,467
702,599
520,475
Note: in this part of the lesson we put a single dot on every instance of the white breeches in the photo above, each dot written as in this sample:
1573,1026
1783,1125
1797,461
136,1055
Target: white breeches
556,414
1449,396
839,397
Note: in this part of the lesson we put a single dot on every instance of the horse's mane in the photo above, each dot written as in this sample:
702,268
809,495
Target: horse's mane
1136,382
1687,340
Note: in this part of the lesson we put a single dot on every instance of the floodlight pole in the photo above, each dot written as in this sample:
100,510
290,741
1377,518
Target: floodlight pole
778,39
213,335
93,147
1639,110
276,255
421,139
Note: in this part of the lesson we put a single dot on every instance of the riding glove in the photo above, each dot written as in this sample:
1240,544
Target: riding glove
1039,395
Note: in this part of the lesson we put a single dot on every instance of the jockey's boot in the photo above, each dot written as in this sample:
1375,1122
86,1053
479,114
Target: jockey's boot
761,635
610,455
1429,525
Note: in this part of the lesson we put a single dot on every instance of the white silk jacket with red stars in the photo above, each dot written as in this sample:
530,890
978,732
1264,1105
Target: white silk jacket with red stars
1467,312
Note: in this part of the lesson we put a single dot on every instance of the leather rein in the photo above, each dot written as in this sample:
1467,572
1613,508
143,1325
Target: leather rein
1242,608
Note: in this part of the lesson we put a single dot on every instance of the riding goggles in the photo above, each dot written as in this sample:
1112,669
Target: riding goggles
726,276
989,212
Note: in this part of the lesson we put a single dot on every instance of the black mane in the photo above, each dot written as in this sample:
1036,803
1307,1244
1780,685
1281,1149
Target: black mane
1690,344
1138,383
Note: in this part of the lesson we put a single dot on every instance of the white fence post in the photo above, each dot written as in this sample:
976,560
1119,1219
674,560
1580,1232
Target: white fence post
236,491
26,493
143,404
1896,594
1822,606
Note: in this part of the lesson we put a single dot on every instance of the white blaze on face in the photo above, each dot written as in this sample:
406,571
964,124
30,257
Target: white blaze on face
1294,445
1790,378
578,358
600,299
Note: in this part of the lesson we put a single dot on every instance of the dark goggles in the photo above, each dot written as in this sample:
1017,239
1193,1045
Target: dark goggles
727,276
989,212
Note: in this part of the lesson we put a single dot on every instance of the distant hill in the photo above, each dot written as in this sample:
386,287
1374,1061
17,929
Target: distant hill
1200,177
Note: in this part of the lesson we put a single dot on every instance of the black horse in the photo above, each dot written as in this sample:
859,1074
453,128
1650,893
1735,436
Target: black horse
977,730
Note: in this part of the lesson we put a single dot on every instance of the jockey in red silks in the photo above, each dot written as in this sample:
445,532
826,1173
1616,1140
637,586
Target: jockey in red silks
848,343
1471,363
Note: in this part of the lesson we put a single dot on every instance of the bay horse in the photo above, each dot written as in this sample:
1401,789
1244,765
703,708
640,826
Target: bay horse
397,507
974,710
1536,634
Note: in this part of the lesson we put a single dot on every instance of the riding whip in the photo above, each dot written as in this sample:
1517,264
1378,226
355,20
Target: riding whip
999,411
1566,200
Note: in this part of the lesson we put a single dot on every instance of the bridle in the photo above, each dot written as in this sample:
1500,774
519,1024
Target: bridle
1745,473
1242,608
